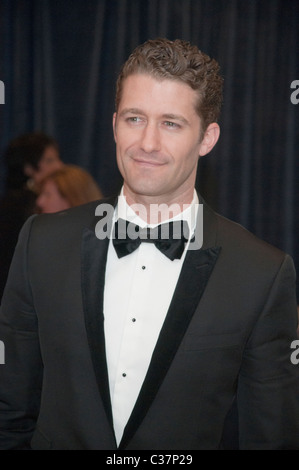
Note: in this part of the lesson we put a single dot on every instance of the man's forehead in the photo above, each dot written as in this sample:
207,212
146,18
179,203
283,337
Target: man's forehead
147,86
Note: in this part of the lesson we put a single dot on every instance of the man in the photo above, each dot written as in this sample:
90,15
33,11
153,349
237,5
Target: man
112,345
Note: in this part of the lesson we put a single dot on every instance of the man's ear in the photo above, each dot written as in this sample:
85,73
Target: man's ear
210,139
114,125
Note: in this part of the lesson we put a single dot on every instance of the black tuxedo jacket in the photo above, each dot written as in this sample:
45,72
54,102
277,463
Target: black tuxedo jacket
228,332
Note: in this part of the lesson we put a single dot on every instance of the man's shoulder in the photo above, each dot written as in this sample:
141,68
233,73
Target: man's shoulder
244,245
64,228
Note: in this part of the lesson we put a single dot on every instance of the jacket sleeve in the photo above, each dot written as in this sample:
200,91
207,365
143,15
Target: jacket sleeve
268,390
21,373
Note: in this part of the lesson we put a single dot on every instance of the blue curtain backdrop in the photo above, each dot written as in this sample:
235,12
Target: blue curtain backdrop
59,61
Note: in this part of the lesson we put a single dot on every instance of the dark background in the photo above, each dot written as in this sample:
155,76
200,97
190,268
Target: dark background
59,61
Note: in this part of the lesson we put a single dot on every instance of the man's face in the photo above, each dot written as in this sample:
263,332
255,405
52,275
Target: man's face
157,133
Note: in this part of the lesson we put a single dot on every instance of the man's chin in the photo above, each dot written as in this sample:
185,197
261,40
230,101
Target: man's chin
146,190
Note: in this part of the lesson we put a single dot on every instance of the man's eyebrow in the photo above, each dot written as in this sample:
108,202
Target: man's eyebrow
176,117
170,116
131,111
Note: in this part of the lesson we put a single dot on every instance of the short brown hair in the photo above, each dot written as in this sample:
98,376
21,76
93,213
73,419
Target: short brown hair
181,61
75,184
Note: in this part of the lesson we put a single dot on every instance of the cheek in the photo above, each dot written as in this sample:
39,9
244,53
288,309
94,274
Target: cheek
127,138
186,160
123,146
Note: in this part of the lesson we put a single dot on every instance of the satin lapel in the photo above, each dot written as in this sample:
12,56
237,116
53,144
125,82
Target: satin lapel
93,266
197,268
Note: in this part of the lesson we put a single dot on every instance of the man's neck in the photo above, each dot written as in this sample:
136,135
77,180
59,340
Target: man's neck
157,209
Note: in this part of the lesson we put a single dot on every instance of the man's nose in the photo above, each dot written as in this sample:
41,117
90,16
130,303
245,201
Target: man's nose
150,141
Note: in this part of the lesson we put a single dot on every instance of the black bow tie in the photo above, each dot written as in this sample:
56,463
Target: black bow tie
169,238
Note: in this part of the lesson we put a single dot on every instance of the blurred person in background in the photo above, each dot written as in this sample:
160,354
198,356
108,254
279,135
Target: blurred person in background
67,187
28,158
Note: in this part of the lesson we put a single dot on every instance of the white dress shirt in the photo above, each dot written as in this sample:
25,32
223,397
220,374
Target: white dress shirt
137,294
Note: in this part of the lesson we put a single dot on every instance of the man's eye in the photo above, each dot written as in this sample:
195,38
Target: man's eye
171,124
134,119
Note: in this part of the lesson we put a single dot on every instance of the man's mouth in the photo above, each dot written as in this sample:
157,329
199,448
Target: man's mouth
147,162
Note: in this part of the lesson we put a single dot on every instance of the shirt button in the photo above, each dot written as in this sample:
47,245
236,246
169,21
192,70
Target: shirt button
133,320
143,267
124,374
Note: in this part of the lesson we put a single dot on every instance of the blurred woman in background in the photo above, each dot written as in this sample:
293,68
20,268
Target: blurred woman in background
27,159
67,187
